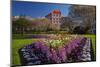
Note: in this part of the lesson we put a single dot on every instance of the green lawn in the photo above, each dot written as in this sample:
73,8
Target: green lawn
16,45
93,37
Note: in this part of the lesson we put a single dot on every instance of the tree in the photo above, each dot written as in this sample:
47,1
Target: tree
79,30
82,11
20,24
66,24
86,13
40,24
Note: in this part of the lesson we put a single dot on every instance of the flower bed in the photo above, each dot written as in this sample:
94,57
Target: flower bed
56,49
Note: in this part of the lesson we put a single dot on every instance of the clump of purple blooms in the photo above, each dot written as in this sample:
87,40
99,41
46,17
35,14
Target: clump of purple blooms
40,53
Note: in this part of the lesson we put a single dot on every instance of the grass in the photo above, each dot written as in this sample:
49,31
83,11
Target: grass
18,43
93,37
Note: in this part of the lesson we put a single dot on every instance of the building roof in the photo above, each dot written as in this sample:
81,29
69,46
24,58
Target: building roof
56,11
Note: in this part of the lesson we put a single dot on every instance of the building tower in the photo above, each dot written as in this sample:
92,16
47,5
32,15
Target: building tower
55,19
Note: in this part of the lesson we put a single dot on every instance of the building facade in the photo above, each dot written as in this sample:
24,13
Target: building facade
55,19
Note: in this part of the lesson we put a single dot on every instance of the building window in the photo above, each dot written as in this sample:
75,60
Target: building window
57,19
54,19
54,15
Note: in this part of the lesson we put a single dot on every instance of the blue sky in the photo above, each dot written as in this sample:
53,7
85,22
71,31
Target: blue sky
36,10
